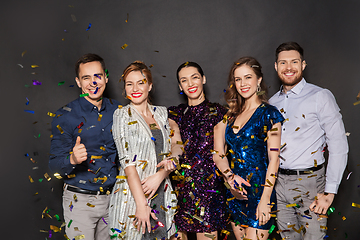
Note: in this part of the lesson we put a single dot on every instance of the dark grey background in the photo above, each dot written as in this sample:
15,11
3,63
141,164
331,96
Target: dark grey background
212,33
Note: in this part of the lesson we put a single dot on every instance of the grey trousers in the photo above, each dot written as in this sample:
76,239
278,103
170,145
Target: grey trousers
88,216
298,222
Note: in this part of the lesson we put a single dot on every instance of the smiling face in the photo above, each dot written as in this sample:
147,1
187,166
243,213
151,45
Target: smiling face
246,82
137,88
191,82
92,80
289,68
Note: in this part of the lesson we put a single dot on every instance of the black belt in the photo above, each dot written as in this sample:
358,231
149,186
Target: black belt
84,191
301,171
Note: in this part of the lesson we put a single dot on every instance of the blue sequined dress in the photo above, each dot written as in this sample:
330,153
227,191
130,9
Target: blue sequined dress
248,158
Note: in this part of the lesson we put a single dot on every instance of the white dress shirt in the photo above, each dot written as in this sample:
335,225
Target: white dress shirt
312,121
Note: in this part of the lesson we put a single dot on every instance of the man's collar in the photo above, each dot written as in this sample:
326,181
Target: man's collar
88,107
297,89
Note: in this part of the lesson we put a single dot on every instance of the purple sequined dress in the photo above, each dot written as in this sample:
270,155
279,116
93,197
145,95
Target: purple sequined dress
201,199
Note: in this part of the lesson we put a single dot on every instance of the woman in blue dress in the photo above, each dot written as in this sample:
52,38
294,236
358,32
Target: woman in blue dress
246,150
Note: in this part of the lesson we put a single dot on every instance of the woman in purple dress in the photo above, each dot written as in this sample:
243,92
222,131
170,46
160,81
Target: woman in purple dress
201,202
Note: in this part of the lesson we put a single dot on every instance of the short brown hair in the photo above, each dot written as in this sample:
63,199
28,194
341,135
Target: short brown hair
86,58
288,46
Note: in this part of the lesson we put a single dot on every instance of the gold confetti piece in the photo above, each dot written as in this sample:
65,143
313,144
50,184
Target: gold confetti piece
297,129
173,113
121,177
268,181
265,139
78,237
323,227
186,166
296,197
57,175
252,136
214,152
99,118
299,179
209,177
34,66
127,18
124,46
287,119
227,185
197,202
151,66
299,230
55,228
314,152
273,129
291,226
179,142
358,96
315,163
75,197
153,126
202,211
31,180
355,205
124,191
163,208
90,205
343,218
303,116
356,103
23,53
60,129
198,218
102,148
71,176
79,130
48,178
133,122
209,235
96,157
314,175
145,164
245,147
51,136
231,151
51,114
230,199
291,205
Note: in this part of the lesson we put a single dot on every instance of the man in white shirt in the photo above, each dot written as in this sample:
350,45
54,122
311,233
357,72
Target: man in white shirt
312,122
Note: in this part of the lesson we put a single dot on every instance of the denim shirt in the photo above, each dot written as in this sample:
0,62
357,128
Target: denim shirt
81,118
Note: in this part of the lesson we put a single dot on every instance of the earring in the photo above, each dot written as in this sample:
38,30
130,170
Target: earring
258,89
181,92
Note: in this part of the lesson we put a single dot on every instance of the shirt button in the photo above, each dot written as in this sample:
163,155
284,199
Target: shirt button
107,159
283,129
287,96
102,129
104,145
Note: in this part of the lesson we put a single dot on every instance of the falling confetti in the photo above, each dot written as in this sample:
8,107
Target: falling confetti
88,27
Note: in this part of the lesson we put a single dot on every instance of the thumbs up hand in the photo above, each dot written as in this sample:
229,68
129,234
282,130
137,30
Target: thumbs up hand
79,154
